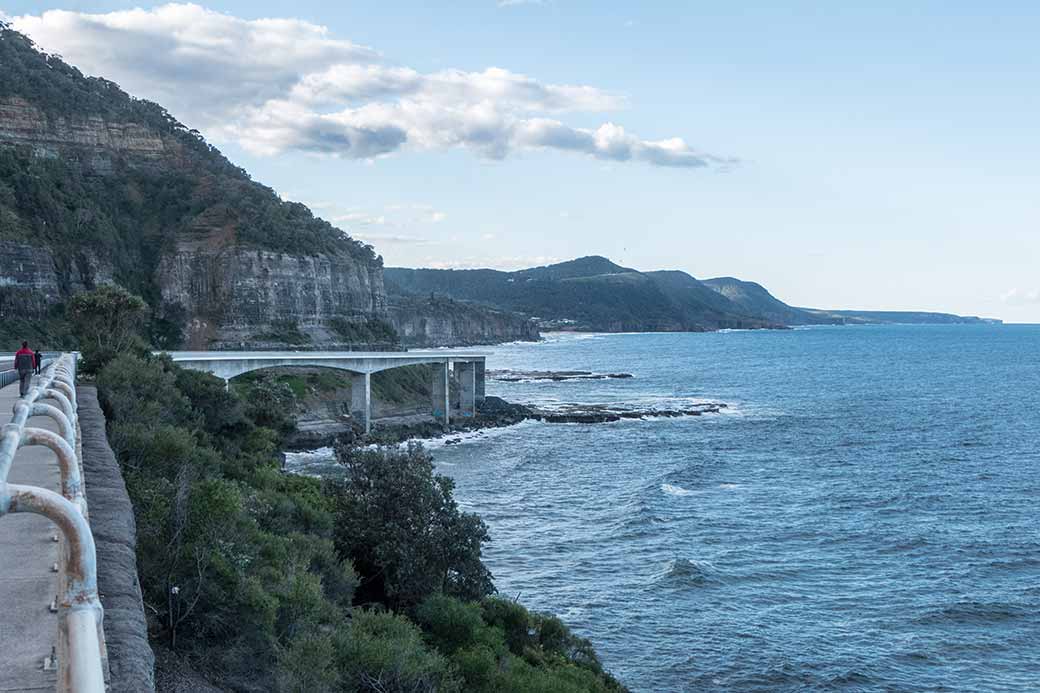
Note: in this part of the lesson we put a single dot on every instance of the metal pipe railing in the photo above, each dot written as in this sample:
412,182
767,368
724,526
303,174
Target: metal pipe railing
81,667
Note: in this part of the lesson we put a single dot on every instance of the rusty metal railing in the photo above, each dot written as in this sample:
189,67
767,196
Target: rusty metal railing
81,641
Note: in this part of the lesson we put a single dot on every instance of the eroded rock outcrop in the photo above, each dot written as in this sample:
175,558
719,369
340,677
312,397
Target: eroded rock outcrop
440,322
237,295
93,138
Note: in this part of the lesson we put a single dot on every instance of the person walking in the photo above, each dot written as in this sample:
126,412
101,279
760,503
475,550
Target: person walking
24,363
38,362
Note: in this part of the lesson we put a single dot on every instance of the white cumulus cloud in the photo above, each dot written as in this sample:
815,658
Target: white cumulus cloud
277,85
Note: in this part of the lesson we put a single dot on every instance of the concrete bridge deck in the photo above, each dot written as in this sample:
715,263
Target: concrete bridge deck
466,368
28,629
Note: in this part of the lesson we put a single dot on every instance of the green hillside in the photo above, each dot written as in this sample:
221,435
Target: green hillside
590,293
83,202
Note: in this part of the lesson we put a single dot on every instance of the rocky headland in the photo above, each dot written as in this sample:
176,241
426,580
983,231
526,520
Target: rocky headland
113,189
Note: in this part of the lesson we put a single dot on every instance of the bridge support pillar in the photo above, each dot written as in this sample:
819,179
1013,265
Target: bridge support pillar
466,375
361,399
479,382
440,392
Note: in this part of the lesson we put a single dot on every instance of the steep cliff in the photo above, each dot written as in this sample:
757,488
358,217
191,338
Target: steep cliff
445,322
96,187
235,295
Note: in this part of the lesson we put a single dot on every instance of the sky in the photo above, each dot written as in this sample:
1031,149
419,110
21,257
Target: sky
843,156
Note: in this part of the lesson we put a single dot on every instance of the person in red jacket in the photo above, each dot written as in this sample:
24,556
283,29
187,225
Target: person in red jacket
24,363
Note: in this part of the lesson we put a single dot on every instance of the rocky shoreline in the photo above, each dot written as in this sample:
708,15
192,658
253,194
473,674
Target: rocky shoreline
511,376
494,412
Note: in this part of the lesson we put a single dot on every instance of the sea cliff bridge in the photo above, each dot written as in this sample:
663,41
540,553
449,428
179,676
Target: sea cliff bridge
466,369
51,631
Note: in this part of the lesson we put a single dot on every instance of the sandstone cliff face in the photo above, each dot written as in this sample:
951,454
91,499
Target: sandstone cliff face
234,294
439,322
32,278
93,140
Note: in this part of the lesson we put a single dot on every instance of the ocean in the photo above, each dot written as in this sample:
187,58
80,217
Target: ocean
862,517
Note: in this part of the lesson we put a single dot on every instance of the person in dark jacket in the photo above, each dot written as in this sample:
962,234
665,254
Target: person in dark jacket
38,362
24,363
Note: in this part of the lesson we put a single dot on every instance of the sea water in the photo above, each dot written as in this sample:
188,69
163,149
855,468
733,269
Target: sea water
864,516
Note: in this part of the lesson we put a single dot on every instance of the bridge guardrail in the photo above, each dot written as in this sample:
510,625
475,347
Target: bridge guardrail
80,637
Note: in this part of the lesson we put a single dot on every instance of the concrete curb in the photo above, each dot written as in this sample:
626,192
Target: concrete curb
130,658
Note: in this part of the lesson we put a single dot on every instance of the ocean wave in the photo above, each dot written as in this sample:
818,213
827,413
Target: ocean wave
674,490
634,527
556,337
452,439
975,612
313,463
683,572
322,461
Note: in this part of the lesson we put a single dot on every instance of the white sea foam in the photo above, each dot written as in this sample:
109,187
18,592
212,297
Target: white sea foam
314,462
306,454
556,337
673,490
452,439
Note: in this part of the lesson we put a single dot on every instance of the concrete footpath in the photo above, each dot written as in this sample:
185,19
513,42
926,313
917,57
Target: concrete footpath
28,629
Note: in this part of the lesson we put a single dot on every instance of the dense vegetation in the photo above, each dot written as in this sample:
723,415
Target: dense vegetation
195,177
397,386
263,580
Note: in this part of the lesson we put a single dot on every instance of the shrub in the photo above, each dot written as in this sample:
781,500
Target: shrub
512,619
399,525
269,403
384,653
308,665
136,389
107,322
451,625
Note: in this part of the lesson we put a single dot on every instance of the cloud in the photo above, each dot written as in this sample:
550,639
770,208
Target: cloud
360,219
278,85
1021,297
391,239
400,216
501,262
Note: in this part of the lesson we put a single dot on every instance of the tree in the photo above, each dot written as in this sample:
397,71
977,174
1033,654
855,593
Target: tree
107,322
400,526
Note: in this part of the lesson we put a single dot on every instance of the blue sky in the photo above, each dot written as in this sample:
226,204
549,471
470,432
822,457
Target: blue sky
880,157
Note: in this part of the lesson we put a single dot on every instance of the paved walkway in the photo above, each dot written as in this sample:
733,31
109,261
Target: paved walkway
28,630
